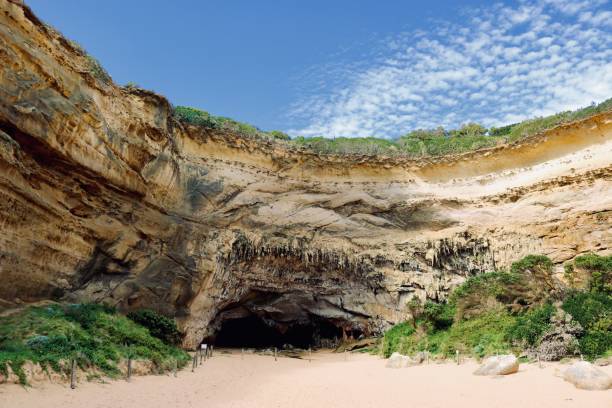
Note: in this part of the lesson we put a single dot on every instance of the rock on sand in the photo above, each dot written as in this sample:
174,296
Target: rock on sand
586,376
498,365
397,360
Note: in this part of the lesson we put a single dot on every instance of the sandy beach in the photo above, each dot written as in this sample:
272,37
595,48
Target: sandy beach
330,380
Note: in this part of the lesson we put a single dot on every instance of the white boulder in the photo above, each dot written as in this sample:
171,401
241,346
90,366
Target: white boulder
498,365
418,359
586,376
397,360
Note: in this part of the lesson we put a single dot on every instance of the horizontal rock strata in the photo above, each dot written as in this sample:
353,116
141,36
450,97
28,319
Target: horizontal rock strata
104,196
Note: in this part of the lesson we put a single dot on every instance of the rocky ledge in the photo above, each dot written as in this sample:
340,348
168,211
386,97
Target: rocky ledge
104,196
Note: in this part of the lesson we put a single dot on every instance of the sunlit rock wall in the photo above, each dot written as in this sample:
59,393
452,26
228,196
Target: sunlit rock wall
105,197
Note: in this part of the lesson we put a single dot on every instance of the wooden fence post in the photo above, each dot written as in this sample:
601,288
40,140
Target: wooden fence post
539,362
73,374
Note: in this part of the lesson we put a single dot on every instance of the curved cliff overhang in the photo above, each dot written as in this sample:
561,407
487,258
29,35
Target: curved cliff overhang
96,110
104,196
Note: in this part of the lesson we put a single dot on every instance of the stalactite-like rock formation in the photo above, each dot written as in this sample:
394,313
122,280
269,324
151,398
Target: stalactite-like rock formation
104,196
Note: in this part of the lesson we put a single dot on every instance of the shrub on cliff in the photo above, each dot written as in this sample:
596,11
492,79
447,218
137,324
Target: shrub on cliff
278,135
196,117
204,119
348,145
444,145
528,284
536,282
414,307
529,327
593,310
499,311
439,315
534,263
97,70
159,326
95,336
470,130
599,271
480,293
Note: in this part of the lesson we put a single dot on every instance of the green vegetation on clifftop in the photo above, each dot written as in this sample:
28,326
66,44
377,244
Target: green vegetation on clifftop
417,143
204,119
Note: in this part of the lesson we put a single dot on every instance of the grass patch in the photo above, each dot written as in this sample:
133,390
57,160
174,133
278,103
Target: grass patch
95,335
479,336
394,336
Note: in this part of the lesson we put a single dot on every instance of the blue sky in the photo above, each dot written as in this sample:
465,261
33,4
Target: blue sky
352,67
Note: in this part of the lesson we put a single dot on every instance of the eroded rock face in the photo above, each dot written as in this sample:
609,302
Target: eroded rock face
105,197
561,340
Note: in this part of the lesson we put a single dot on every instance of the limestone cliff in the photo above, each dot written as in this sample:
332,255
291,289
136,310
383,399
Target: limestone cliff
104,196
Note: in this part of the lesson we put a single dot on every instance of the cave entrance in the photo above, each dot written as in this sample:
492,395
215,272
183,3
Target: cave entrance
298,319
254,332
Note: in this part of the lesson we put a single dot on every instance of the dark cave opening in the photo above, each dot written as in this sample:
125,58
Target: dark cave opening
253,332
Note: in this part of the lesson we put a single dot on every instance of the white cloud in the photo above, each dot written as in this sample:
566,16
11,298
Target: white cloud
501,65
603,18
